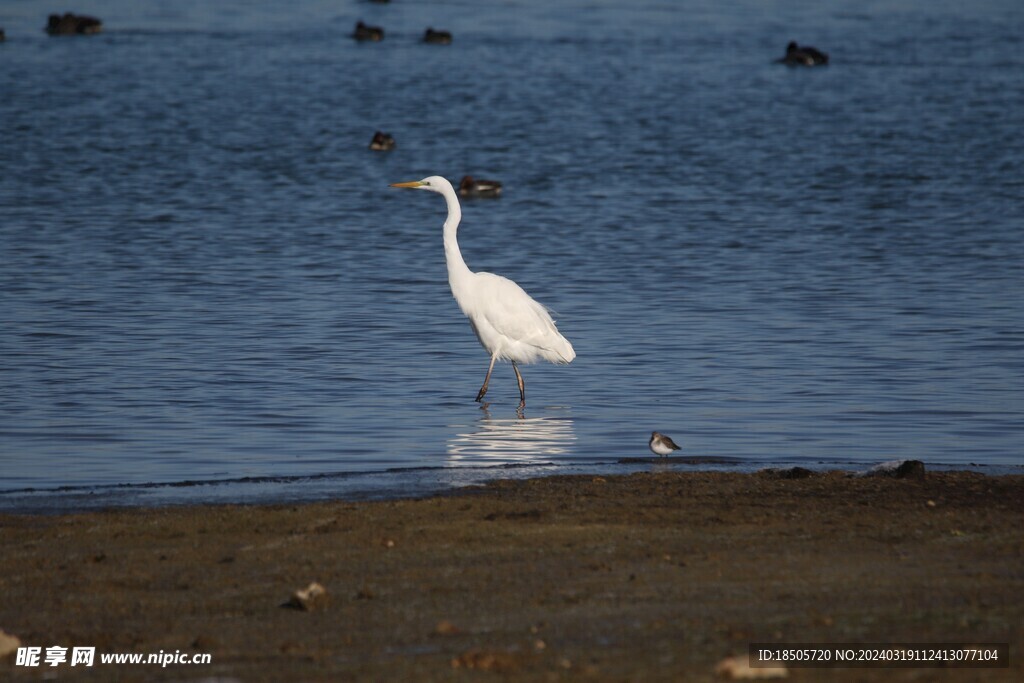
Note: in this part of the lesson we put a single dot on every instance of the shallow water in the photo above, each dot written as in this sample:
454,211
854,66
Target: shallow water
206,278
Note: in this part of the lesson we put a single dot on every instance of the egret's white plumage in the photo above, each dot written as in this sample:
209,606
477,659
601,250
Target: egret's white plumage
506,320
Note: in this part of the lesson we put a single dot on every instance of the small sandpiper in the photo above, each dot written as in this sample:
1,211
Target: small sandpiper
662,445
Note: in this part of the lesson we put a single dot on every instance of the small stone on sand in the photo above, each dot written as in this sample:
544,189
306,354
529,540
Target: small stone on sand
739,669
485,660
8,643
309,598
446,628
787,472
897,469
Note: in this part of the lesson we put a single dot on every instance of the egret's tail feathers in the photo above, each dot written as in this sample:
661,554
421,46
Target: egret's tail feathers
562,353
569,352
558,350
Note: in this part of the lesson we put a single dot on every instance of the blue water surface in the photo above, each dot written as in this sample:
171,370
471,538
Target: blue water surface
205,277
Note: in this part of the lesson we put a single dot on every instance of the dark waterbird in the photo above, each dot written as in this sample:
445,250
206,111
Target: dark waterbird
364,32
382,142
797,55
73,25
437,37
471,187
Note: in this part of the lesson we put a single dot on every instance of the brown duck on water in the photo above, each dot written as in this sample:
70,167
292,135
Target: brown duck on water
805,55
382,142
364,32
471,187
72,24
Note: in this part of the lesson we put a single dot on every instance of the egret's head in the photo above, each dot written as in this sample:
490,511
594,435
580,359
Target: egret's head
434,183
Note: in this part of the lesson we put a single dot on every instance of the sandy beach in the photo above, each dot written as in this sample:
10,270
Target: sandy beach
654,576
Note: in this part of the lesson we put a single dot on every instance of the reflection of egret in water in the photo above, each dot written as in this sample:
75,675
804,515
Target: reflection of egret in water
513,440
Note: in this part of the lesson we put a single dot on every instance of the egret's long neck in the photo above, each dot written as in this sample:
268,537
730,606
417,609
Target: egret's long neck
458,271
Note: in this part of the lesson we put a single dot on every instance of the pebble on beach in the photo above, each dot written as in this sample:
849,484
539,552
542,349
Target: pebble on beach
8,643
309,598
787,472
738,669
446,628
485,660
897,469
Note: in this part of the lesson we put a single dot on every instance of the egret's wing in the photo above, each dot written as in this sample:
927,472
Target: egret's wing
510,310
506,307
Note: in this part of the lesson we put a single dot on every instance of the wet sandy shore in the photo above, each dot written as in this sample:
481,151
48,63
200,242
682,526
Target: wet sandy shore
654,576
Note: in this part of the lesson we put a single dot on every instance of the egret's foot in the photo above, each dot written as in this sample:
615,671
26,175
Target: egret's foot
480,395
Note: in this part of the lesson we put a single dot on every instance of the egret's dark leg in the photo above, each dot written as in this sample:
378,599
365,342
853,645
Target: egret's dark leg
487,379
522,384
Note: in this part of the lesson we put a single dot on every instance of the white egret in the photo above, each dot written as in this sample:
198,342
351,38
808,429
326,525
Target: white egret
661,444
508,323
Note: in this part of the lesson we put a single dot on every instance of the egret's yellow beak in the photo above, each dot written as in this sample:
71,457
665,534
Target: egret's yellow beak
414,183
